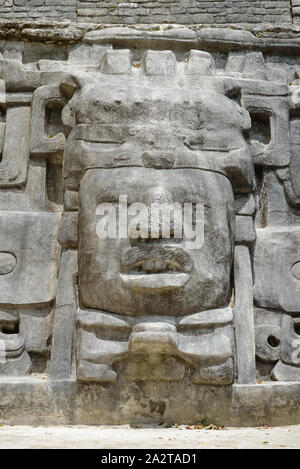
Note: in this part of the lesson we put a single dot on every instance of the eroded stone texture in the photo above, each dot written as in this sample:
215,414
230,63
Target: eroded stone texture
137,117
155,11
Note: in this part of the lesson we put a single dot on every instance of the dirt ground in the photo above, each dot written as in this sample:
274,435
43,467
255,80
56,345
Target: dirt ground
125,437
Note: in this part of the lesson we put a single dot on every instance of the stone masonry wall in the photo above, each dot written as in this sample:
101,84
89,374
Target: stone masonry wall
152,11
184,11
51,10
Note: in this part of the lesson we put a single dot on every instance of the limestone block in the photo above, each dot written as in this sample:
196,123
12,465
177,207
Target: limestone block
116,62
159,63
68,233
200,63
244,230
254,66
88,371
68,119
13,54
15,99
30,198
64,319
289,342
219,374
276,258
36,326
71,200
146,39
87,54
275,115
243,317
102,339
18,366
214,346
276,74
155,367
13,166
17,78
225,34
14,360
80,53
235,63
245,204
46,98
154,337
31,239
267,342
283,372
293,186
207,319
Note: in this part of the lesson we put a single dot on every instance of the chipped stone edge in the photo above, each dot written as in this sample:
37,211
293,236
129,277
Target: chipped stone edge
243,36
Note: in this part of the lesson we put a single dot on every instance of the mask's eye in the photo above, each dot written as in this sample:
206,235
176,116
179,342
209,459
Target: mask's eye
260,127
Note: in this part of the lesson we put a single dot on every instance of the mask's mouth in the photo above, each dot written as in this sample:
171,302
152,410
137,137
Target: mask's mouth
156,268
155,283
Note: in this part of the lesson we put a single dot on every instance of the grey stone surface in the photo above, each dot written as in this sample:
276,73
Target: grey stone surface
13,165
156,327
157,11
244,230
243,317
276,284
31,239
46,141
68,236
289,342
63,402
63,330
283,372
266,349
123,290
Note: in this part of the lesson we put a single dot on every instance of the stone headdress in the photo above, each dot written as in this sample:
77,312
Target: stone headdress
157,113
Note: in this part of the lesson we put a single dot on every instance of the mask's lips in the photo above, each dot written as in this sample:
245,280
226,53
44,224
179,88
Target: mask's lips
155,282
160,268
154,259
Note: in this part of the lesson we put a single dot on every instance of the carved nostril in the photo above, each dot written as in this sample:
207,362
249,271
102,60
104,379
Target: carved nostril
148,265
156,265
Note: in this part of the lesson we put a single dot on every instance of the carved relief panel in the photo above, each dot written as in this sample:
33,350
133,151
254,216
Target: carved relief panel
81,137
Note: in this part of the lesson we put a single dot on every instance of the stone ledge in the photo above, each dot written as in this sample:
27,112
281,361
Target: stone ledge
46,402
268,37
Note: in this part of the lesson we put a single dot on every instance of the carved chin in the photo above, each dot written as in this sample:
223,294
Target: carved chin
155,283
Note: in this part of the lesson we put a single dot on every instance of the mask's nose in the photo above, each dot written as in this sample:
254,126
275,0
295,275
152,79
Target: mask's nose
163,218
153,337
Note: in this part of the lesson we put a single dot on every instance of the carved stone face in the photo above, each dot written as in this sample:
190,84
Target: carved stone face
155,276
153,140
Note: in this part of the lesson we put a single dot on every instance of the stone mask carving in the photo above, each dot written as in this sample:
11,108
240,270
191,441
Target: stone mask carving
130,320
163,133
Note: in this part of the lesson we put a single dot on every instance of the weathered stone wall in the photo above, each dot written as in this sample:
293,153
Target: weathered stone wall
184,11
38,9
152,11
160,328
